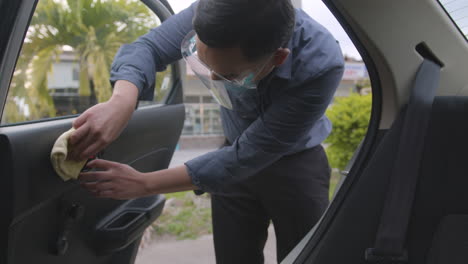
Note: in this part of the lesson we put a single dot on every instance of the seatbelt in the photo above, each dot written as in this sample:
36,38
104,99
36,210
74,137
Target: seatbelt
391,234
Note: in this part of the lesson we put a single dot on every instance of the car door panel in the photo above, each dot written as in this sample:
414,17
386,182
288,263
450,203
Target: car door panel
31,144
46,220
41,203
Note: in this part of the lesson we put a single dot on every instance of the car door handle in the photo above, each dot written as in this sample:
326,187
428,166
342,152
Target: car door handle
126,224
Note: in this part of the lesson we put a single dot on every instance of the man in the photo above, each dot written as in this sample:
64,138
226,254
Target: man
274,71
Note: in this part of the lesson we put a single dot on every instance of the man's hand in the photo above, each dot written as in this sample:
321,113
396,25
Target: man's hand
114,180
101,124
122,182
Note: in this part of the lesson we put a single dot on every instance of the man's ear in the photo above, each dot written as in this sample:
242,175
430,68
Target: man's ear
280,56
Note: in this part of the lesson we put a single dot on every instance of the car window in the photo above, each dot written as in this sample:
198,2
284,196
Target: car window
188,216
65,61
203,124
458,12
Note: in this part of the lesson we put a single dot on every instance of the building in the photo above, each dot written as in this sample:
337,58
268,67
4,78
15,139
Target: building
354,72
63,83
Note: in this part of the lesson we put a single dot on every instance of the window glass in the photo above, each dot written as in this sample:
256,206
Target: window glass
202,133
458,11
65,61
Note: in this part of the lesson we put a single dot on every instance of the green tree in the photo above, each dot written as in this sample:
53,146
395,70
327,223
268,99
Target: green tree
93,29
350,118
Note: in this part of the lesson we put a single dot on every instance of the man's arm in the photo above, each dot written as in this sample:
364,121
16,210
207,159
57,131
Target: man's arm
139,61
120,181
133,73
278,131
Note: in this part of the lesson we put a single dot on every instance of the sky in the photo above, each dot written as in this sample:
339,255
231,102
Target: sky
317,10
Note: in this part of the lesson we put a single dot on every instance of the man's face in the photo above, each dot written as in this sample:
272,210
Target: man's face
231,62
226,71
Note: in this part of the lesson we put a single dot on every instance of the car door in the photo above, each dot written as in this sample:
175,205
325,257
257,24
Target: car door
47,220
394,38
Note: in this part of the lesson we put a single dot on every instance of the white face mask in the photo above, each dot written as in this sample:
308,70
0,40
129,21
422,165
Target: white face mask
222,89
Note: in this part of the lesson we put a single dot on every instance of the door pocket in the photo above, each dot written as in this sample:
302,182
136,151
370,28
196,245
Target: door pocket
126,224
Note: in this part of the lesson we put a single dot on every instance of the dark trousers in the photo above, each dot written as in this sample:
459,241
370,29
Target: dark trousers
292,193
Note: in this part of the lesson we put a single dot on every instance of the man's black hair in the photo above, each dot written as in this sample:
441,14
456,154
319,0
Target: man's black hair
258,27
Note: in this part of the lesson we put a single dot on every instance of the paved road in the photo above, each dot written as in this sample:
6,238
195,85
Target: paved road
193,251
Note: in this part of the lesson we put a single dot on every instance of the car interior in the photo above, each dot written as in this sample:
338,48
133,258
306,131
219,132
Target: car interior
367,222
404,199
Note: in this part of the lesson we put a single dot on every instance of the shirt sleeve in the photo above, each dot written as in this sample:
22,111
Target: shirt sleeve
274,134
139,61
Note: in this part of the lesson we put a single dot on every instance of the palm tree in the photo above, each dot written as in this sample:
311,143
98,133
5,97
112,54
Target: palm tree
93,29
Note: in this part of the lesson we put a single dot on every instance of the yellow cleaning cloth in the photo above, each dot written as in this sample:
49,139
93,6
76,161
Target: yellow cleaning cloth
66,169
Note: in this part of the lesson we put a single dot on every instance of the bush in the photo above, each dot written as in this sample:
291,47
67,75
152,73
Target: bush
350,118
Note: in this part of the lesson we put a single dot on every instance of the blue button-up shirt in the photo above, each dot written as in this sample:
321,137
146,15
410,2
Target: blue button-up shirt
285,115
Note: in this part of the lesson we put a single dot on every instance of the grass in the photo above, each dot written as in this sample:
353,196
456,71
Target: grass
187,216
